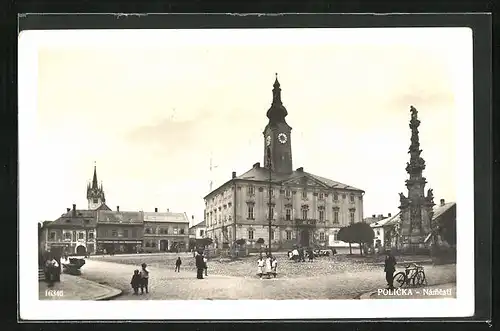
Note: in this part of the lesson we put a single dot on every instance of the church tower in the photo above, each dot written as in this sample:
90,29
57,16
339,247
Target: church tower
95,193
416,209
277,135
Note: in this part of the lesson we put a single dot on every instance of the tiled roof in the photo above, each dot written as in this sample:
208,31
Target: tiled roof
261,174
198,225
119,217
82,218
166,217
440,210
387,221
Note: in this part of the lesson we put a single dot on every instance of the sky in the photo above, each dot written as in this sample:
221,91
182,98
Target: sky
152,108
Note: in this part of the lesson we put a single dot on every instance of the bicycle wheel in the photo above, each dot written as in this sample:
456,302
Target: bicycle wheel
399,279
419,278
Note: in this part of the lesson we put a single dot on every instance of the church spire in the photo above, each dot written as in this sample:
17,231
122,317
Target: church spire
94,179
277,112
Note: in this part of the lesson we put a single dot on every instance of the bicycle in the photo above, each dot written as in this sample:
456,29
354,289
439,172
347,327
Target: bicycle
413,273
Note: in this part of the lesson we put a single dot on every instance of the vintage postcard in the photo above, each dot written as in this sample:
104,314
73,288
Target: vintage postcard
221,170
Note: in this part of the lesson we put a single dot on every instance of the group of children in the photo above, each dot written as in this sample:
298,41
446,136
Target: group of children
267,267
140,280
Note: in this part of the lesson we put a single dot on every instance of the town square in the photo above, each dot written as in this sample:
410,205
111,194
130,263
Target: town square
258,182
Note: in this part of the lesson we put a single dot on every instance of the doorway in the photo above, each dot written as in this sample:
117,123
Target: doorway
81,251
304,238
163,245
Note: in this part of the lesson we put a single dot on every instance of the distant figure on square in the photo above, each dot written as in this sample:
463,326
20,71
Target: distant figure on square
310,254
260,267
301,255
389,268
274,267
268,268
136,281
205,265
178,263
144,278
199,265
51,270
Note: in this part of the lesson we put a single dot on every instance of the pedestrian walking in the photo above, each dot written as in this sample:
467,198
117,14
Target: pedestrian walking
178,263
310,254
136,281
51,270
389,268
144,278
205,265
274,266
301,255
199,265
260,267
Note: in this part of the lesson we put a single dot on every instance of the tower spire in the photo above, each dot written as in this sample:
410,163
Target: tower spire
94,179
277,112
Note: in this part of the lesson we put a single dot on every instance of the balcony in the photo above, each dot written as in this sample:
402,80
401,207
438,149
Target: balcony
305,223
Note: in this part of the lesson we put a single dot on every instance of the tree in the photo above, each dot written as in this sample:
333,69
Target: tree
361,233
345,235
260,241
241,241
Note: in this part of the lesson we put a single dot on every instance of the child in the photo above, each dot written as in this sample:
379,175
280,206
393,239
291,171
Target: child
260,267
274,266
144,278
178,264
136,281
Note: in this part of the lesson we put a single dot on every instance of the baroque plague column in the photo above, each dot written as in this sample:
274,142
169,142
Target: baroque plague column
416,209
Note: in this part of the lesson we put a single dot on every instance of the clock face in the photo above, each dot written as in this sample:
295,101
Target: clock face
282,138
268,140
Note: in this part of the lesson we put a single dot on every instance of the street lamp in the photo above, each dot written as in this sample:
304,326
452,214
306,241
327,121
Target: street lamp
270,201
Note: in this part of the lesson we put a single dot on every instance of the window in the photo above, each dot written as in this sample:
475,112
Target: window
351,197
91,235
351,216
251,190
182,231
114,233
321,196
322,236
250,234
343,196
147,230
52,236
80,235
125,233
250,212
321,215
304,195
335,196
153,244
335,235
288,235
134,233
220,218
378,232
67,235
272,235
86,221
95,200
288,193
304,214
288,214
148,244
270,213
176,231
335,216
271,192
105,233
202,233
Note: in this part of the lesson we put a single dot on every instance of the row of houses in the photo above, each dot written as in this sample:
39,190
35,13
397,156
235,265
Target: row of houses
100,231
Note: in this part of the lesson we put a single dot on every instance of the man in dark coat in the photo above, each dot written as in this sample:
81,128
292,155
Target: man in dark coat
200,265
389,268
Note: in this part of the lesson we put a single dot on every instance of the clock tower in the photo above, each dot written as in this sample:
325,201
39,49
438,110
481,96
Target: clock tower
277,138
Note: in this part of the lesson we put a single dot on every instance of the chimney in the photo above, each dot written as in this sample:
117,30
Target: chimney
389,215
256,165
373,215
442,202
234,174
301,169
68,209
156,210
117,208
74,210
168,210
192,217
380,216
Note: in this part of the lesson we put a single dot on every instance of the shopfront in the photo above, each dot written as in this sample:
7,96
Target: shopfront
119,246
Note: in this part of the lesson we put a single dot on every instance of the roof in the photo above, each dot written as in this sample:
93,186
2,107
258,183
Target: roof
198,225
103,207
81,219
166,217
387,221
119,217
297,177
438,211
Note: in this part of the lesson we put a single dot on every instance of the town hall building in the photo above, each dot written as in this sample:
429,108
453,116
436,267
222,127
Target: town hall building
305,208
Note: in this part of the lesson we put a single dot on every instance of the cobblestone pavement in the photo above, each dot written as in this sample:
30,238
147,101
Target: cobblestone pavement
75,288
315,283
